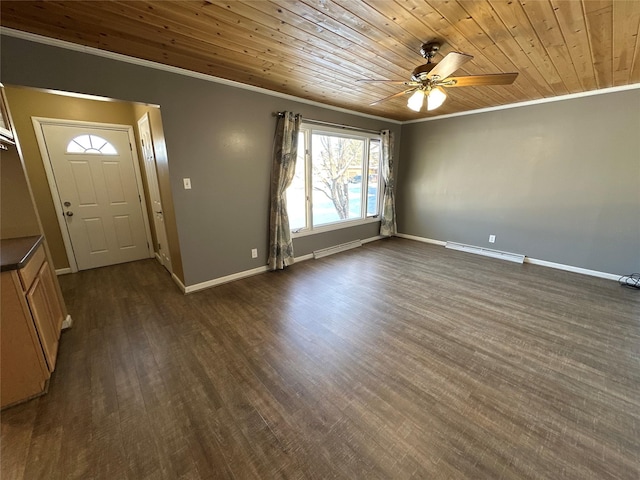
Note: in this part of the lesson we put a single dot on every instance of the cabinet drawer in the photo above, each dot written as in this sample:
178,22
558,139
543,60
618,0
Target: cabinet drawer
29,272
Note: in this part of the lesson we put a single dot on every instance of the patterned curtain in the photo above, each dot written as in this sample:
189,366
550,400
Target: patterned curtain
388,221
284,164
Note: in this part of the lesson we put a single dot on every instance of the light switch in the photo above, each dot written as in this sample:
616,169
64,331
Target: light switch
187,183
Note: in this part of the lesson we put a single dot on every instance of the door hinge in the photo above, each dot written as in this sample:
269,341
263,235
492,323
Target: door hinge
139,198
130,147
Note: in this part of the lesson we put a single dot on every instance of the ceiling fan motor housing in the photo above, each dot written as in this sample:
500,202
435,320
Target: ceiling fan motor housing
420,73
428,51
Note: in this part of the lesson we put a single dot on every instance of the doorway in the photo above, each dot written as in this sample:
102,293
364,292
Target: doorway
95,183
157,212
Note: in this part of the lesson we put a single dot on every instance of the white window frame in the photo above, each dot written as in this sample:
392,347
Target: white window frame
92,150
308,129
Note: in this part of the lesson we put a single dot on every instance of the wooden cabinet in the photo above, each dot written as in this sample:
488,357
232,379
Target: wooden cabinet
30,324
32,309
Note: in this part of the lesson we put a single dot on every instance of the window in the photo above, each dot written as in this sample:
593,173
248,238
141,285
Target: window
337,181
91,144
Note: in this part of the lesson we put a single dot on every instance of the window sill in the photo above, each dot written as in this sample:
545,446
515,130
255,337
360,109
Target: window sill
335,226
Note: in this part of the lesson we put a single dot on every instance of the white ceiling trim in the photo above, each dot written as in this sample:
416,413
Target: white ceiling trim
32,37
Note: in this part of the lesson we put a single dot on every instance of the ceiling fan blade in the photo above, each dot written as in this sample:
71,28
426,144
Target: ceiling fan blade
399,94
479,80
449,64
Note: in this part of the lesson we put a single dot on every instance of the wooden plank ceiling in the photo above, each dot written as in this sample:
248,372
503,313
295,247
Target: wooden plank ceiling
317,49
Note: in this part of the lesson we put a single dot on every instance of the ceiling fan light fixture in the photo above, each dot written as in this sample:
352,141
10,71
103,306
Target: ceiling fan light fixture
435,98
416,100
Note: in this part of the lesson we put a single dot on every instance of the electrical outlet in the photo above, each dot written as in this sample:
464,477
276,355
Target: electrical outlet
254,253
492,239
187,183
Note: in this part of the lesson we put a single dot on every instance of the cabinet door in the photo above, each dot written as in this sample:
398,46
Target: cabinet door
57,316
23,370
41,311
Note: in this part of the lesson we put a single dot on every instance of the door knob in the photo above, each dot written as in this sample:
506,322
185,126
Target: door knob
69,214
67,204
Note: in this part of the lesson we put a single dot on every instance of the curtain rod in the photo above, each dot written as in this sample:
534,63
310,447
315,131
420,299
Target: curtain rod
330,124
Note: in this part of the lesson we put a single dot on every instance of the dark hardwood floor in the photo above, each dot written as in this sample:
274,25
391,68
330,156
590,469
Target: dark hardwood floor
397,360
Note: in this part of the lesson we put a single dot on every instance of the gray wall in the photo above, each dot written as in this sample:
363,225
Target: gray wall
217,135
558,182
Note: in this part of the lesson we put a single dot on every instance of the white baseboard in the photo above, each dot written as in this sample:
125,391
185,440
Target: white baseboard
532,261
63,271
487,252
177,281
571,268
343,247
421,239
67,322
229,278
309,256
373,239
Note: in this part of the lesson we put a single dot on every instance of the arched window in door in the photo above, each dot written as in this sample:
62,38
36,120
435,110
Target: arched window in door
92,144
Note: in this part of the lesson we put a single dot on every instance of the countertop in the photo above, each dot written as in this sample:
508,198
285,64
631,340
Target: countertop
15,252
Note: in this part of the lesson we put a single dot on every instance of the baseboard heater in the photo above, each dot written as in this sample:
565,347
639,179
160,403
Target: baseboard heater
336,249
487,252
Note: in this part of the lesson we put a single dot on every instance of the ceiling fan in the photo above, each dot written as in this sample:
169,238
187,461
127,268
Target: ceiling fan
427,81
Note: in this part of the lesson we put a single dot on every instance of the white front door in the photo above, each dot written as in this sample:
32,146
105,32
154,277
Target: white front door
146,141
95,176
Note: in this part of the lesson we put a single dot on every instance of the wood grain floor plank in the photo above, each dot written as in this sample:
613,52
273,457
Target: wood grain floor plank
16,433
395,360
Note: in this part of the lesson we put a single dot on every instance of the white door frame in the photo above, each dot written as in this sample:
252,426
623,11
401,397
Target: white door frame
147,118
38,123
